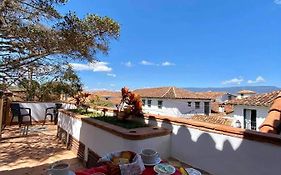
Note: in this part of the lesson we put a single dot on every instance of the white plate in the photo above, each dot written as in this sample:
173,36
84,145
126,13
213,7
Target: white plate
168,169
152,164
193,171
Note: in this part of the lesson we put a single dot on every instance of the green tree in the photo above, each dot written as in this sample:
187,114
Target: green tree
32,88
68,83
33,32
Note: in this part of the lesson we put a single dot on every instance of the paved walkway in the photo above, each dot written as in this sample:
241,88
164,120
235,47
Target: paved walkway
34,153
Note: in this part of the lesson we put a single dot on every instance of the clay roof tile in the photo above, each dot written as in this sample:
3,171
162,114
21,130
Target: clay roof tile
272,123
265,99
169,92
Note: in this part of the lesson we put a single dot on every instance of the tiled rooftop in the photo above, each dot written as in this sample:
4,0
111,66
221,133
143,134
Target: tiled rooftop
213,119
272,123
114,97
227,108
34,153
265,99
169,93
212,95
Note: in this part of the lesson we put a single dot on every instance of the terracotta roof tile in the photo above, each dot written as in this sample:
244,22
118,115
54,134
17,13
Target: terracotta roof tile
213,119
272,123
212,95
114,97
169,92
256,100
227,108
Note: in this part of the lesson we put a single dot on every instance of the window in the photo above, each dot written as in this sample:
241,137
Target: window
197,105
160,104
149,103
143,102
242,95
189,104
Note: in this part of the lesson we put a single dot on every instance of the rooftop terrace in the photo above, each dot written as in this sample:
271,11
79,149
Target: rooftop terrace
32,154
215,148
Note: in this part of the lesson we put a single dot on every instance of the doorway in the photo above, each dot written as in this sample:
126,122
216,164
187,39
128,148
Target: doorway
207,108
250,119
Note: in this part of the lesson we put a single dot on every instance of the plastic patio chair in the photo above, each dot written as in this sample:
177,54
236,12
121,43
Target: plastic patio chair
17,112
49,112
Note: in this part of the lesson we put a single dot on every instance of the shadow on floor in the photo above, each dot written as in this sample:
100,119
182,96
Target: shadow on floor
37,150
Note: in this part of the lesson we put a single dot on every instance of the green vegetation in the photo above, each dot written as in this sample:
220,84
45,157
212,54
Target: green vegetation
37,40
127,124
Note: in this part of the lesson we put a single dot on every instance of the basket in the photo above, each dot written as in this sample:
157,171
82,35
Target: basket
135,167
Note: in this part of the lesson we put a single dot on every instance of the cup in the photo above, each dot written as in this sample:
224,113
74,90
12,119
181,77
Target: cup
59,169
149,156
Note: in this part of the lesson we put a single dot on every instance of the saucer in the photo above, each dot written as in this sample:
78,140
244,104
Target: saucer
164,168
193,171
157,161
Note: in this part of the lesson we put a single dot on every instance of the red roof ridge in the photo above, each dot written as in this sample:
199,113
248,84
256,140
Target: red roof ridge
272,123
166,91
174,92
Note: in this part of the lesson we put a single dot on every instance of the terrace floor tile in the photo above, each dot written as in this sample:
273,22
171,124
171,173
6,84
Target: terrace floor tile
33,153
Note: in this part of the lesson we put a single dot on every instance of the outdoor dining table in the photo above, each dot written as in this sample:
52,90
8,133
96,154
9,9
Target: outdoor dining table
103,169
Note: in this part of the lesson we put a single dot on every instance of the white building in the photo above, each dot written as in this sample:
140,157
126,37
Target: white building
173,101
245,94
252,111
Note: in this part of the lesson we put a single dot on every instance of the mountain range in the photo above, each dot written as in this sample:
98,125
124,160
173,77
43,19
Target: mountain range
235,89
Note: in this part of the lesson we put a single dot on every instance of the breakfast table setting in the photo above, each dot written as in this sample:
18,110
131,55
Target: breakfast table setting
147,162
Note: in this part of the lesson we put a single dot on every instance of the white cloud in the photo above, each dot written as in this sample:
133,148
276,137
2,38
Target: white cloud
167,63
234,81
96,67
128,64
111,75
147,63
278,2
259,79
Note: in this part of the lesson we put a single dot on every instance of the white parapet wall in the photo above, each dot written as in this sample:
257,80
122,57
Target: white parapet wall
38,109
103,142
222,154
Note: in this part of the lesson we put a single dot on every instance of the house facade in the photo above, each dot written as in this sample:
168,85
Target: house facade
173,101
252,111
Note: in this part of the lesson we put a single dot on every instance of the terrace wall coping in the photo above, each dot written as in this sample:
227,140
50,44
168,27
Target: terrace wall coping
130,134
203,126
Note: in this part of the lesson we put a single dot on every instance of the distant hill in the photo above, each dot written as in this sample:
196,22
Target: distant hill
234,90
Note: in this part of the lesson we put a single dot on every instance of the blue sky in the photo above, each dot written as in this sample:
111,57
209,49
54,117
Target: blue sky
186,43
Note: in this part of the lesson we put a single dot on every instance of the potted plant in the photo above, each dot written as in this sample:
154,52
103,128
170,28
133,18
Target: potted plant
130,105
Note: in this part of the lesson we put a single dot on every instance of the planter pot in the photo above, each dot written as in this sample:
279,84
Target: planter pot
123,115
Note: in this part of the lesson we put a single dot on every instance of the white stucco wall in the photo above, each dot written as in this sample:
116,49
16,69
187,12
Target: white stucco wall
174,107
221,154
262,113
38,109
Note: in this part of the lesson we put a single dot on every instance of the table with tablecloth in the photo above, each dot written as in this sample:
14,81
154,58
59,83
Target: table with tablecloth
104,169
